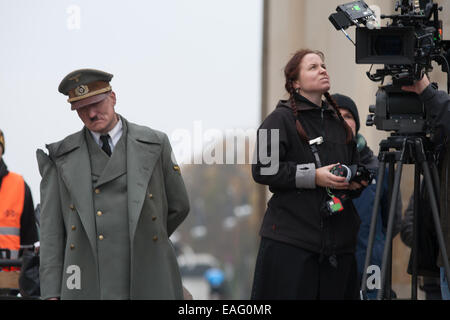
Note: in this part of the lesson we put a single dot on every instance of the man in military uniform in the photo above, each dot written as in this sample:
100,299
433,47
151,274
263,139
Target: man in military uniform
111,195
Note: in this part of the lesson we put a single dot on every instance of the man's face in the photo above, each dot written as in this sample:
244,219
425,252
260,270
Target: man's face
100,117
348,117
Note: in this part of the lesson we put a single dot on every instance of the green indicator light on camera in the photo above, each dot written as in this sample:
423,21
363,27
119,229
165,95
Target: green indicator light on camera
357,8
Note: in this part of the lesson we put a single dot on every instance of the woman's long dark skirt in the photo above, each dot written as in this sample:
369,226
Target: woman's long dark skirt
287,272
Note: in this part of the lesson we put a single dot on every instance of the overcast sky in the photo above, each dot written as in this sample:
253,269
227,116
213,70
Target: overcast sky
175,62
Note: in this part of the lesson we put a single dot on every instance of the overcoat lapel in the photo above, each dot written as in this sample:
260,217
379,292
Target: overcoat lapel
76,173
143,152
115,167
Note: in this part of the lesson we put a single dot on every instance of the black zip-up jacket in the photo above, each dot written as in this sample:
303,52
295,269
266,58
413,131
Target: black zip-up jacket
298,215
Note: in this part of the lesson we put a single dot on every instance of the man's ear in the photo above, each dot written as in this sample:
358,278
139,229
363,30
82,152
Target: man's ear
113,96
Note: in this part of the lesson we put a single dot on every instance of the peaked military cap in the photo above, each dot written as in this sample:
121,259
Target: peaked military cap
85,87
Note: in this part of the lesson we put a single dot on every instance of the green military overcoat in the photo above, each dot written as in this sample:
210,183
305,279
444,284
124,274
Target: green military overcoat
157,204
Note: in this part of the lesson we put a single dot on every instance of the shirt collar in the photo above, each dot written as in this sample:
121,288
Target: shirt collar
114,134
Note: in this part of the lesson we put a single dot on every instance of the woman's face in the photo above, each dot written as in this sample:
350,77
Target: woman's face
313,76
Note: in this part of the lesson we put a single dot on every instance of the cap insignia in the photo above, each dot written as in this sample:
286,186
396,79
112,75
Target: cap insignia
81,90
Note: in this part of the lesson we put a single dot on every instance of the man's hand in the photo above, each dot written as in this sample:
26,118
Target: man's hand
418,86
325,178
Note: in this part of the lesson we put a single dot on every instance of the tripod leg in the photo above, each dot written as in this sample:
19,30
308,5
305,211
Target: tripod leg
387,246
373,223
435,173
437,224
414,253
388,282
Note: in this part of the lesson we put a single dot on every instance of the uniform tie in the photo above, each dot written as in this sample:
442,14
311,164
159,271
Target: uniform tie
105,146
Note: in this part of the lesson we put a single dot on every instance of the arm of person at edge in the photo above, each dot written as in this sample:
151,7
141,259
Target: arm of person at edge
436,101
289,174
406,233
28,230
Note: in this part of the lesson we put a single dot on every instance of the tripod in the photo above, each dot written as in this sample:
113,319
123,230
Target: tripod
417,150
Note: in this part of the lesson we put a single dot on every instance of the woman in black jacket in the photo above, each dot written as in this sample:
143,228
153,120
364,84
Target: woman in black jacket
307,245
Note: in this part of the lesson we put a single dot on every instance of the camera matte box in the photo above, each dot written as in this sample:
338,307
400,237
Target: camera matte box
387,45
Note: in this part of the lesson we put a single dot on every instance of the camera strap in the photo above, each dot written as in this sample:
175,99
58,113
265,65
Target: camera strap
313,145
334,205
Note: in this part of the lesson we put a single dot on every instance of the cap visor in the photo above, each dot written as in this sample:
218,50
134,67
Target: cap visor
91,100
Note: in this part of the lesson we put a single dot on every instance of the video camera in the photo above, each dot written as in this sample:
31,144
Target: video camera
356,173
407,48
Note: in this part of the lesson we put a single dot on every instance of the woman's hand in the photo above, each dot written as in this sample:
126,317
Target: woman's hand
325,178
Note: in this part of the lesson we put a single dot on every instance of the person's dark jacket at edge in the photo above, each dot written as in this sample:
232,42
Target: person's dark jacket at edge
437,103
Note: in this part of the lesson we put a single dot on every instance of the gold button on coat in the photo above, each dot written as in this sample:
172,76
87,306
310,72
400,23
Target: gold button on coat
153,218
72,207
99,213
155,238
150,195
73,227
97,191
101,237
72,246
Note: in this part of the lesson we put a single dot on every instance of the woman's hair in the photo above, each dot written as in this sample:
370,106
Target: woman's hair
291,73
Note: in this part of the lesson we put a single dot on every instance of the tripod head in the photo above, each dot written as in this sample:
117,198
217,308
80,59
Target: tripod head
410,149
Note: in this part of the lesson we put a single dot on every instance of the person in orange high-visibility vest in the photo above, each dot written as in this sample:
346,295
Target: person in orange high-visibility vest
17,222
